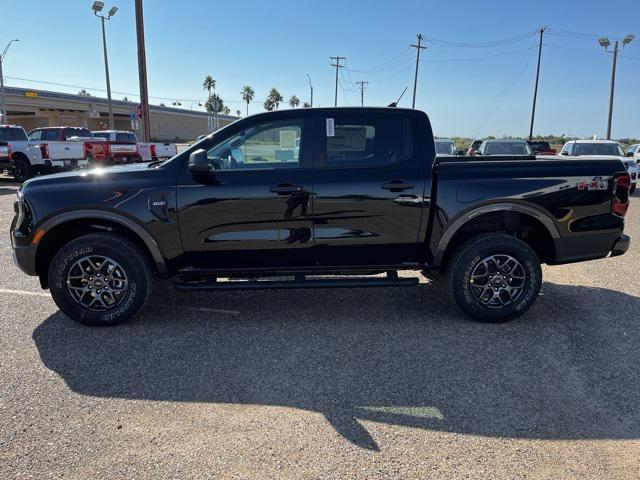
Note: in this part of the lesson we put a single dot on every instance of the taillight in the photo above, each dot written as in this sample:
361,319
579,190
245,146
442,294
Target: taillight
152,148
44,150
621,185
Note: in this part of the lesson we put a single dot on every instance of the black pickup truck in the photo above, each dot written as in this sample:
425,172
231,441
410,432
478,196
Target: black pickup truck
327,197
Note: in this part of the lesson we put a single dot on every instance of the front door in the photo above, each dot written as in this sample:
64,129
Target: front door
369,187
254,212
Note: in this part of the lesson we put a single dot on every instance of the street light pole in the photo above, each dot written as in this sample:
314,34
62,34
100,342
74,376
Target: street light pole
310,88
97,7
613,85
4,99
604,42
535,88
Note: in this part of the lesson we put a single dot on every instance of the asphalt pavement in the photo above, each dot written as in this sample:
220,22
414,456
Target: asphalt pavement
353,383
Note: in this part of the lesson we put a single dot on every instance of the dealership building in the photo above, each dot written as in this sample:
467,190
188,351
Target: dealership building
40,108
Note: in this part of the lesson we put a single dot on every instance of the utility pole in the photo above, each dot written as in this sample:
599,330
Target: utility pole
418,47
4,99
337,65
604,42
362,84
142,72
535,89
310,88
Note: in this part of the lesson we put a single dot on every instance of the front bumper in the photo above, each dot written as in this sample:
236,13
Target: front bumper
24,258
620,246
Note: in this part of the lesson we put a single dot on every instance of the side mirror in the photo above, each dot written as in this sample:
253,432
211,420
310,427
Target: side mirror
199,163
460,153
629,154
565,153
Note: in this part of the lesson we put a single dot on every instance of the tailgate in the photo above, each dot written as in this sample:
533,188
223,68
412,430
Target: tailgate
123,149
65,150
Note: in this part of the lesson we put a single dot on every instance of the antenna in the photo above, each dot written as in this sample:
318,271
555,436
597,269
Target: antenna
395,104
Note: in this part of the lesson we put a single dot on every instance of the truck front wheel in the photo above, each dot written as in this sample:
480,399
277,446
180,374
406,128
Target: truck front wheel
495,277
100,279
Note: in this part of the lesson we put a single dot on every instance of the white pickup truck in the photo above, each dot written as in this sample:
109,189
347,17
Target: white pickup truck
61,148
26,157
124,147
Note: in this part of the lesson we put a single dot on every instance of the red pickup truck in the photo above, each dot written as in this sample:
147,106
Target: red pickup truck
541,148
113,147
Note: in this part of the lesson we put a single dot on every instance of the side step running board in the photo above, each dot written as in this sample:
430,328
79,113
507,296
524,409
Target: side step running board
300,281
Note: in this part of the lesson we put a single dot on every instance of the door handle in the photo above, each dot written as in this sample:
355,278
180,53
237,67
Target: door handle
285,189
397,185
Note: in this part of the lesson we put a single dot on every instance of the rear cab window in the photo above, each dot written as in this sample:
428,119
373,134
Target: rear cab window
12,134
126,137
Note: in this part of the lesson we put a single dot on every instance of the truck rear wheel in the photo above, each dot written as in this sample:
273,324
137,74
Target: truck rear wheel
100,279
495,277
22,169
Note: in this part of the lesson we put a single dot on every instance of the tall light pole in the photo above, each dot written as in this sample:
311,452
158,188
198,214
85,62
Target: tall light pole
4,100
604,42
97,8
310,88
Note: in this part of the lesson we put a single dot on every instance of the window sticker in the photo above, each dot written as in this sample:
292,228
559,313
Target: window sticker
331,129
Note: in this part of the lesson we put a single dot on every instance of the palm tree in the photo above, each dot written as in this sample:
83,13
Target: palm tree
84,93
125,99
275,97
214,104
306,105
247,95
269,105
294,101
238,113
208,84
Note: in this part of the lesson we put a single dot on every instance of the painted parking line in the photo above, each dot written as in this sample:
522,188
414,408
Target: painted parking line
162,305
24,292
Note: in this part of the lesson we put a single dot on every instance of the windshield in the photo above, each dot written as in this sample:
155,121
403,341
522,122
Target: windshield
104,135
611,149
507,148
8,134
445,147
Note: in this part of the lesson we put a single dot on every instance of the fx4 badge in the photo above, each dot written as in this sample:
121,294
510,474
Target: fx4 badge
597,183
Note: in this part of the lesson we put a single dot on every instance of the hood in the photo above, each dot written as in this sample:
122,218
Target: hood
105,174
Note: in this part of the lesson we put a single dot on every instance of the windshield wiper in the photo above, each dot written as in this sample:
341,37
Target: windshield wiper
154,163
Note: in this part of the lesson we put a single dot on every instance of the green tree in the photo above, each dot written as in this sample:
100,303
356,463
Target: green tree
238,113
294,101
209,84
247,95
306,105
275,97
84,93
214,104
269,105
125,99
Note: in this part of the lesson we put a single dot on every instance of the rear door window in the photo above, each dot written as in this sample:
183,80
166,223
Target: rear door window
50,134
372,140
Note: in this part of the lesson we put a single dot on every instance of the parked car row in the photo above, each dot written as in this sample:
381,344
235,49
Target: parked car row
53,149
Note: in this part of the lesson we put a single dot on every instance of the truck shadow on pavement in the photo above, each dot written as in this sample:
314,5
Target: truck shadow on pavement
566,370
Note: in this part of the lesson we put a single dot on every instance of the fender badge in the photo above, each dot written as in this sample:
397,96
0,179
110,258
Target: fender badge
596,183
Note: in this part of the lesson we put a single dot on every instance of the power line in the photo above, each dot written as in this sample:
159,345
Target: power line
472,59
491,44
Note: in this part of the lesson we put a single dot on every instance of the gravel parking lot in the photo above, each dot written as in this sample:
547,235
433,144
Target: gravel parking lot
361,383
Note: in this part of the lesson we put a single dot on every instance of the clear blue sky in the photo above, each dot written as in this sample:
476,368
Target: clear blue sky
469,91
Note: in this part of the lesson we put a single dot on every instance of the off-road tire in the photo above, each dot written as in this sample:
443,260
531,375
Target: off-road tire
471,254
121,250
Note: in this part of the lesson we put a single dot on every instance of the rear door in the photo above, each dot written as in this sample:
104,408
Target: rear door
369,189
